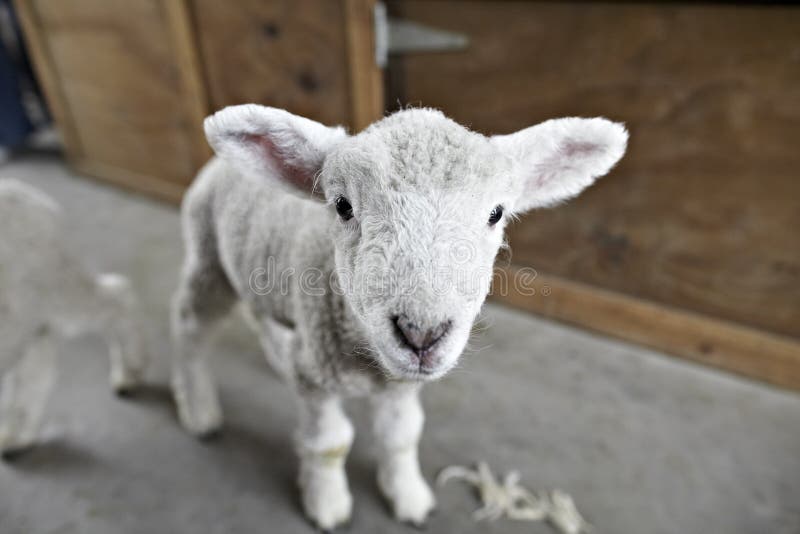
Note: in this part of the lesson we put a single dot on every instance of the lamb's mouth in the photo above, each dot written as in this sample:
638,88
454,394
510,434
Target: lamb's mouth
420,373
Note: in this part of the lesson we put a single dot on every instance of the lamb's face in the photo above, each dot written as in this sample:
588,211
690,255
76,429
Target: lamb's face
419,205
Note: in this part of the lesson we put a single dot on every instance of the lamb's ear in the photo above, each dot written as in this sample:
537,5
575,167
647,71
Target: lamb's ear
272,142
559,158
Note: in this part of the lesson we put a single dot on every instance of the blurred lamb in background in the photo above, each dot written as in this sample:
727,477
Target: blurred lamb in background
45,292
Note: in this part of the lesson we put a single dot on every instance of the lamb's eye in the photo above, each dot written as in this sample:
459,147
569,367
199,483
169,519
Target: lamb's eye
496,215
344,209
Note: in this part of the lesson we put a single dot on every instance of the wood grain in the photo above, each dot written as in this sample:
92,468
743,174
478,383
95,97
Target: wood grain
702,214
110,71
42,63
366,79
167,191
749,352
180,19
290,54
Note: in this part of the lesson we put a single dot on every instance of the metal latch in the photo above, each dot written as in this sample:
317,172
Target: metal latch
398,36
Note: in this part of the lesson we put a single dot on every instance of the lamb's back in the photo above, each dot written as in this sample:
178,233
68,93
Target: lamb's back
258,228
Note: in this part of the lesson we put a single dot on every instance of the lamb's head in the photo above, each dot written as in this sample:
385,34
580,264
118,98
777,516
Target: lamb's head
418,206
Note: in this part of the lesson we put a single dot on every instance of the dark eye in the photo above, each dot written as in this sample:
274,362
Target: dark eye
344,209
496,215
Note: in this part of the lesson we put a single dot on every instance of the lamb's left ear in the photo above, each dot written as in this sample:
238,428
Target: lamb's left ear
559,158
272,143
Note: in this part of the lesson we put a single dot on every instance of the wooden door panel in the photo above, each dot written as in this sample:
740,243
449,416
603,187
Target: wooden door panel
119,80
287,54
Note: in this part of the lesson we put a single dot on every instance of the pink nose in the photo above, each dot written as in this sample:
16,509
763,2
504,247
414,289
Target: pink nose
419,340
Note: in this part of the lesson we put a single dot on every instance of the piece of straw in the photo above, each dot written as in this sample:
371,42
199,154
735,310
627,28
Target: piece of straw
513,501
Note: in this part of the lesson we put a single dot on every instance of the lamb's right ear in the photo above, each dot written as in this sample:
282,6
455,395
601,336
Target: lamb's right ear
272,142
559,158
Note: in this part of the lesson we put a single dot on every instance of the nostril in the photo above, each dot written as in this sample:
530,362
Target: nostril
404,330
416,338
436,334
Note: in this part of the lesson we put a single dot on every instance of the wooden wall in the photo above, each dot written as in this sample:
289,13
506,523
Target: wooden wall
702,214
292,52
130,82
115,83
312,57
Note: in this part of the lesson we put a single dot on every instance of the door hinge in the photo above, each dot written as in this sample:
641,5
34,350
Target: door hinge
398,36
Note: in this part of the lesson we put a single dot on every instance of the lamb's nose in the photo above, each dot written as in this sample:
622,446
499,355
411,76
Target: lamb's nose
419,339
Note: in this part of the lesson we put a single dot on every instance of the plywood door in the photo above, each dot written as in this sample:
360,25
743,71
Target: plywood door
311,57
117,77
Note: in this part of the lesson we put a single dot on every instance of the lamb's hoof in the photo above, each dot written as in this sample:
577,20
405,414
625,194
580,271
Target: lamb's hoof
411,500
327,502
11,448
124,390
124,383
423,526
203,424
419,521
210,434
334,514
339,528
200,415
9,455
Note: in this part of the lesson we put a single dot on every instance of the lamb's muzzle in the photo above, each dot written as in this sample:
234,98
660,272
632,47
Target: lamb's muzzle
421,341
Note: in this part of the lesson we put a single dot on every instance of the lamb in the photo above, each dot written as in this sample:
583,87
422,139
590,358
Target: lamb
372,292
44,292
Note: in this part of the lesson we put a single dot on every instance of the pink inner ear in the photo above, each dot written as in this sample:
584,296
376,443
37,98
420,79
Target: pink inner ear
568,156
295,175
573,148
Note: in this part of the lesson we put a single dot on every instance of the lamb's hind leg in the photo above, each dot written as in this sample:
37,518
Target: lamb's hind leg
25,390
203,297
118,318
279,344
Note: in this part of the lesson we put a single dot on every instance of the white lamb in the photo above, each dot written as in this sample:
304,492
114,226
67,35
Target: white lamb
45,293
371,293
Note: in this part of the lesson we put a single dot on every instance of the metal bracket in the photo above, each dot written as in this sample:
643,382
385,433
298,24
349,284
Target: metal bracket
397,36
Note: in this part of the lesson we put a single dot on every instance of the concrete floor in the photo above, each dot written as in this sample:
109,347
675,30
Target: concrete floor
645,443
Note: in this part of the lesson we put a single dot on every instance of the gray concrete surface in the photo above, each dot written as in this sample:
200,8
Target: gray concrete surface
645,443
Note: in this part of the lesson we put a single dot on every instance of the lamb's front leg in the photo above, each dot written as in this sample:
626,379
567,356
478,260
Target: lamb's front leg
397,422
324,437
